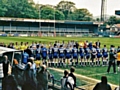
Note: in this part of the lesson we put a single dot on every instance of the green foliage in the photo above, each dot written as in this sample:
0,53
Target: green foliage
65,10
66,7
81,15
113,20
47,12
18,8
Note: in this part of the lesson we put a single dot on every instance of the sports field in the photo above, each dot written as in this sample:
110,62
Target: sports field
94,72
104,41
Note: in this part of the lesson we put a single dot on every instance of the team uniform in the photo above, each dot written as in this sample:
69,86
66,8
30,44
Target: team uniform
55,54
99,55
68,54
50,56
87,54
44,54
118,60
25,58
75,55
105,56
93,55
61,56
38,53
90,45
81,52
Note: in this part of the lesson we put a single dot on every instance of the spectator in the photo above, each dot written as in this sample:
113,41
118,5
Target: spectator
33,65
6,66
103,85
63,80
42,77
72,70
98,44
6,69
10,83
30,82
117,88
112,61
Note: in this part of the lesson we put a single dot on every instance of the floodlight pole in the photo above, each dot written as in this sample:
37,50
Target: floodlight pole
10,27
54,23
39,18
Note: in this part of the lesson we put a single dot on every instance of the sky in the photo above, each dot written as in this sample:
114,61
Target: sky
94,6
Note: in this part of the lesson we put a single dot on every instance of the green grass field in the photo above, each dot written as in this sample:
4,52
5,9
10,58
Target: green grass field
94,72
107,41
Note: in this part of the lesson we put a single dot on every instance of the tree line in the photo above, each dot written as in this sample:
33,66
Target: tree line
64,10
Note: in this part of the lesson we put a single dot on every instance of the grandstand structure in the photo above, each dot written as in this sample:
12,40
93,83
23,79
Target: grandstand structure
47,26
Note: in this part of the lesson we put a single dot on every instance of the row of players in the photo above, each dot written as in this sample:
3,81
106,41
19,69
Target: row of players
68,54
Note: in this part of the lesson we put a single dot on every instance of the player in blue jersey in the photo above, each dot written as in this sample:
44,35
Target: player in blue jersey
68,54
38,49
81,52
55,55
44,54
74,55
105,55
99,55
93,55
90,45
50,57
61,56
87,55
25,57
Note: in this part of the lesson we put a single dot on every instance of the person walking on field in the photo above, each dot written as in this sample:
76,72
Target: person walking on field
112,58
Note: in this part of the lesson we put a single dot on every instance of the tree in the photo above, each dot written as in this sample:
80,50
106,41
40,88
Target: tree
47,12
67,7
3,8
18,8
81,15
113,20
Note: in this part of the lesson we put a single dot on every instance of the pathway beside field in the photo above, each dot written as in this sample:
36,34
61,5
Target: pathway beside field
91,81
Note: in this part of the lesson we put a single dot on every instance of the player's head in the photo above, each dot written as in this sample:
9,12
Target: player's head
66,72
74,46
104,45
61,45
72,69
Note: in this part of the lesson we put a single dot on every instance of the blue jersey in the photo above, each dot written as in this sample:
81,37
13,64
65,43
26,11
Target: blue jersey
98,52
90,46
87,51
81,52
104,52
55,52
75,52
61,52
38,53
44,52
25,58
68,53
50,53
94,52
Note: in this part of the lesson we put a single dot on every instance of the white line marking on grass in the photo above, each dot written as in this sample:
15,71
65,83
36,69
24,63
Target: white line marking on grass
92,80
97,74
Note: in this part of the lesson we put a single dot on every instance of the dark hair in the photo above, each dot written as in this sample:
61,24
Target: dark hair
104,79
66,72
72,69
